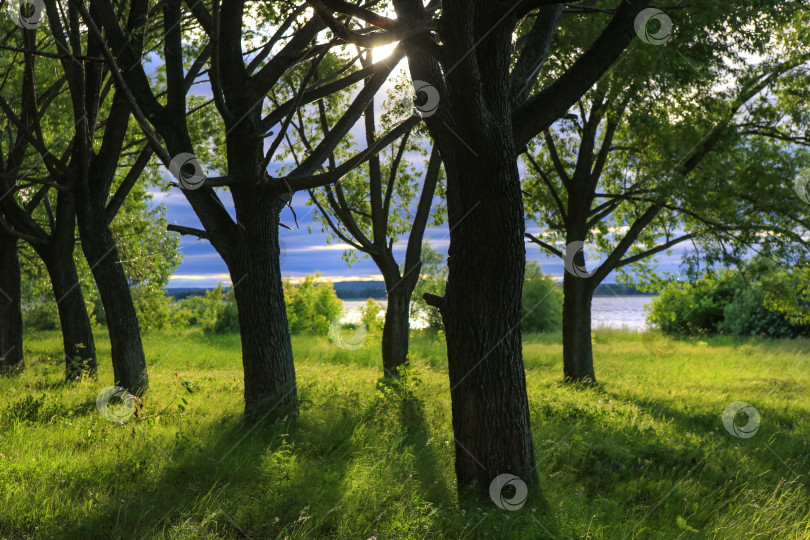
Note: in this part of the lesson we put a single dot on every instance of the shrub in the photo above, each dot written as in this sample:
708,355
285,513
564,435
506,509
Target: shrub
152,306
372,315
542,301
41,314
691,308
193,310
217,312
725,303
227,316
747,315
311,306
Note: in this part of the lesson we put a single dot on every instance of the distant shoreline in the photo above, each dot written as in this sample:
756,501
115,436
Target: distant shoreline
363,290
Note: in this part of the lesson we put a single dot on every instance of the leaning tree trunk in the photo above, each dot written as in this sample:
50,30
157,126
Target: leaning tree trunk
77,333
254,265
101,251
11,329
481,311
577,348
397,326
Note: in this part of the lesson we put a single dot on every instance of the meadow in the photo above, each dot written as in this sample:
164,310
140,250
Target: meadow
644,454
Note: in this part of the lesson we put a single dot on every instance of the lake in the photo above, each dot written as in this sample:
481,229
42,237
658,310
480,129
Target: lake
606,312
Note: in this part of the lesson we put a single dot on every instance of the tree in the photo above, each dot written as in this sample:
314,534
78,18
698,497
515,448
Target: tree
11,329
476,86
485,108
98,165
651,183
28,213
241,76
372,207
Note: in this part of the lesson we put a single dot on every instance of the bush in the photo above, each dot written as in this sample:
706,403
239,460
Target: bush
691,308
371,315
724,303
218,313
747,315
311,306
152,306
193,310
41,314
542,301
215,312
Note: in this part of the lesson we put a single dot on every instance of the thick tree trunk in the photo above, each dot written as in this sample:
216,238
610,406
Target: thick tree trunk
396,329
77,333
577,348
101,251
11,329
482,315
253,261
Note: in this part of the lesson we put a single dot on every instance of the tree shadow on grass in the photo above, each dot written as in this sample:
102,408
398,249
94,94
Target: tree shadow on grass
234,478
471,514
317,475
602,458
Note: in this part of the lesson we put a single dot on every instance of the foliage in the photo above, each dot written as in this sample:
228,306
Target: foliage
728,302
39,307
149,253
152,306
216,311
705,151
433,280
311,306
371,315
542,301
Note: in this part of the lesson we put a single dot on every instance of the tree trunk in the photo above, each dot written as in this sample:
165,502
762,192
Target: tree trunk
482,314
396,329
11,329
101,251
77,333
577,348
254,265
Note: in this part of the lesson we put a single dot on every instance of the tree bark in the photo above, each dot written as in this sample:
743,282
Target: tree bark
101,251
577,348
77,333
11,328
482,314
482,306
254,265
397,327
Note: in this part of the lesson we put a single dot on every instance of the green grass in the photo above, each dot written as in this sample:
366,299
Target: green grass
643,455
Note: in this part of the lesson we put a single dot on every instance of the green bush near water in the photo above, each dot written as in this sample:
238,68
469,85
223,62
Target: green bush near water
731,302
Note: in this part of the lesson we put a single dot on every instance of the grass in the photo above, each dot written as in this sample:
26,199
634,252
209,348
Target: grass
643,455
